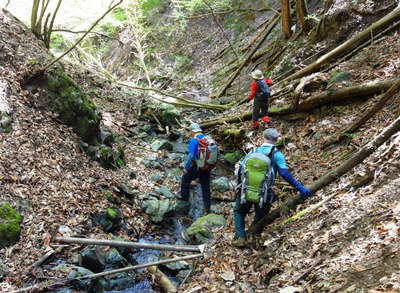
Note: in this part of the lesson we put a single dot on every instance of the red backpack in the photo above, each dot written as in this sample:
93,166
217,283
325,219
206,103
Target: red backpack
207,153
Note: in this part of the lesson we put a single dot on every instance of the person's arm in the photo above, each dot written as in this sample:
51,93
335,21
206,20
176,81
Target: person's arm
192,150
253,90
285,173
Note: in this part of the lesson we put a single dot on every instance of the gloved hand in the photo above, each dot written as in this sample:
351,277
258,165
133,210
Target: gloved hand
304,191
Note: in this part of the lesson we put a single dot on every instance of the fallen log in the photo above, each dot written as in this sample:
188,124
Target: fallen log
393,90
347,46
330,176
189,248
360,91
246,60
162,280
64,282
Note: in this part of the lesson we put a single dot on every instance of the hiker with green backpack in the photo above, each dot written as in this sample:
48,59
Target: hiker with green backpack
256,176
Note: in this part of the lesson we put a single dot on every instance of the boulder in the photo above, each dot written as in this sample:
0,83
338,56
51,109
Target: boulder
91,286
158,178
157,209
168,114
152,163
200,231
110,220
5,122
115,260
10,227
120,282
162,144
73,106
221,184
174,173
93,259
126,190
164,191
182,207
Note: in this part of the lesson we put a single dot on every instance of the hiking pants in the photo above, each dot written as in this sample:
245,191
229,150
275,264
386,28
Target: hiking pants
204,177
260,107
240,212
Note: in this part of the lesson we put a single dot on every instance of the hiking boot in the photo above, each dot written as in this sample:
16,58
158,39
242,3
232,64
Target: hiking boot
255,125
266,119
239,242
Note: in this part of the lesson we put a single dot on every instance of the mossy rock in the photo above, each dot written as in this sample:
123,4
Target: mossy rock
73,106
111,157
10,227
168,114
200,231
233,157
157,209
5,122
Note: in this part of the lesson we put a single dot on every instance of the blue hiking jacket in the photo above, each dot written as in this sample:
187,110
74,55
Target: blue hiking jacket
192,150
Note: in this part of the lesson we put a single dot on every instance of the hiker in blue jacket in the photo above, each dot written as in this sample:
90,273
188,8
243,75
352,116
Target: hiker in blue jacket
191,170
278,161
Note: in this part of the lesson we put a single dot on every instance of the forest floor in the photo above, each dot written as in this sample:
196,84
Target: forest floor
349,244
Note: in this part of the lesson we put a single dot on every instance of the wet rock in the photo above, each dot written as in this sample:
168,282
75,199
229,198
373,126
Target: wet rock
200,231
234,157
3,270
110,220
124,251
10,227
164,191
182,207
121,281
221,184
115,260
158,178
161,144
91,286
157,209
132,174
177,266
152,163
93,259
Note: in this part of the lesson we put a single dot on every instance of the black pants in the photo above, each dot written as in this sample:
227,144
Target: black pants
204,177
260,107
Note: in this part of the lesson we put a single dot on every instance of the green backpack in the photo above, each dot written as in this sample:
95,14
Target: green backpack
257,177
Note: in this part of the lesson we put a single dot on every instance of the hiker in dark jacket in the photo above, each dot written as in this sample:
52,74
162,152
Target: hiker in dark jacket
260,105
191,170
278,166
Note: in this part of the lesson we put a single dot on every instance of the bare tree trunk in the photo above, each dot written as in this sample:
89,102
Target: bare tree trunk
192,248
331,176
301,10
349,45
286,19
246,60
363,91
364,118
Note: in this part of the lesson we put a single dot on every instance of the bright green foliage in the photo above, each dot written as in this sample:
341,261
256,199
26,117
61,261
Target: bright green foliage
74,108
196,5
10,222
119,14
149,6
58,42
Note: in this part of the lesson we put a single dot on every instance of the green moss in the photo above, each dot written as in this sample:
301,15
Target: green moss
72,105
112,214
9,225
